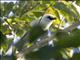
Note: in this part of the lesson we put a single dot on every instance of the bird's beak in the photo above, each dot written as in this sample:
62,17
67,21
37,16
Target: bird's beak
54,18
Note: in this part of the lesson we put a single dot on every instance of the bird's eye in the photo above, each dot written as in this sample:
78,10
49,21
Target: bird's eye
51,18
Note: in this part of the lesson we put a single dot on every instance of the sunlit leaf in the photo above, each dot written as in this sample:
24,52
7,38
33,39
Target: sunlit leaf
65,11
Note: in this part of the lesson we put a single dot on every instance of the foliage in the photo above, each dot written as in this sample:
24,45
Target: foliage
24,12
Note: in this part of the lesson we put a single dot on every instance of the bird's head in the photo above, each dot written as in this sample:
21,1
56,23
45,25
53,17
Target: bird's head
47,20
48,17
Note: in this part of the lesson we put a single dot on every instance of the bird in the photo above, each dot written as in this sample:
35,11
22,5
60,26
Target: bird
38,28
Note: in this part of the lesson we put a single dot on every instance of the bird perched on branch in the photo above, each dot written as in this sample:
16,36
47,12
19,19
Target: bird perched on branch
38,28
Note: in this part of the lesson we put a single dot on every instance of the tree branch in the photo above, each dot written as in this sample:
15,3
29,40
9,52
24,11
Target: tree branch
45,39
72,27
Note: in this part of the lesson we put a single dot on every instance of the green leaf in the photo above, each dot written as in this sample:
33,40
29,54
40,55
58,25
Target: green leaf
65,11
2,38
68,40
37,14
